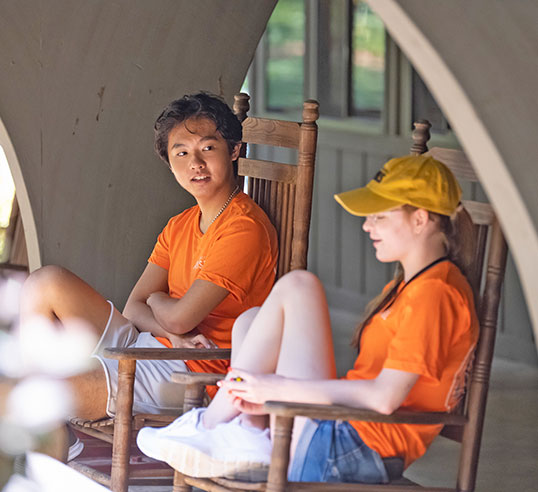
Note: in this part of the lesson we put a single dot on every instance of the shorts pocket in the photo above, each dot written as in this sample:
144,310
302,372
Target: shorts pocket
351,460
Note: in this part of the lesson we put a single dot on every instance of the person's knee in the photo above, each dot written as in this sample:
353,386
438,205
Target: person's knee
242,325
43,288
40,284
298,282
45,277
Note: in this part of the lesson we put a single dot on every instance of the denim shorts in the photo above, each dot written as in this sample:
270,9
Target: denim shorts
332,451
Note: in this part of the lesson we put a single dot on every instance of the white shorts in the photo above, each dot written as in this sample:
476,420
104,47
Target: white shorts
153,391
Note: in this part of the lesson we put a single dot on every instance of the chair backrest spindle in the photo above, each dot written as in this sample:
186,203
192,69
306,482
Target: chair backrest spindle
283,191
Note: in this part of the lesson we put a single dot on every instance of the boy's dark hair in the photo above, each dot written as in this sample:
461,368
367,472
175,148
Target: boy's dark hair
203,105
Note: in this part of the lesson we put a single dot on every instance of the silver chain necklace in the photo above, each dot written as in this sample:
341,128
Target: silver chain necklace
226,203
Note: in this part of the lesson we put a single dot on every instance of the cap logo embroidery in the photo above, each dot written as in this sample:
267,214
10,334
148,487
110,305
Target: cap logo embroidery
379,176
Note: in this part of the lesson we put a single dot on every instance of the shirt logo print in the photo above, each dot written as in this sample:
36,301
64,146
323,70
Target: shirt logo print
199,264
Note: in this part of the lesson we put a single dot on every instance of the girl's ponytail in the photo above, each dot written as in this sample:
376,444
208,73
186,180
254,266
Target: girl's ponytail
458,230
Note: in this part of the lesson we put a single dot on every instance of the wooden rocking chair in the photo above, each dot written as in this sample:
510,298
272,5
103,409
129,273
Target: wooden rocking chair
464,426
284,192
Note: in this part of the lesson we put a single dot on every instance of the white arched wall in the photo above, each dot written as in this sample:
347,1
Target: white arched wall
30,231
499,162
81,84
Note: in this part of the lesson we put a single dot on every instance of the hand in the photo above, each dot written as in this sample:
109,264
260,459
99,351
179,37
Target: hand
249,391
155,296
193,339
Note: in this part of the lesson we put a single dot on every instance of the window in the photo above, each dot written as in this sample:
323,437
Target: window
425,107
348,45
284,69
7,198
368,62
338,52
333,57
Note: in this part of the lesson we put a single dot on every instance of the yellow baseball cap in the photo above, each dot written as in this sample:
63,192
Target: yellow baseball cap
416,180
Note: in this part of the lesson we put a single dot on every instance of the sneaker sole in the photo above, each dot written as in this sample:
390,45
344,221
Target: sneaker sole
197,464
75,449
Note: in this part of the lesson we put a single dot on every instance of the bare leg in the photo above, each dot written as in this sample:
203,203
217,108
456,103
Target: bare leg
219,409
240,330
90,394
290,335
58,294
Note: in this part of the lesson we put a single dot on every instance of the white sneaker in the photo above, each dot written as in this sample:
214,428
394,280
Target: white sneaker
149,439
75,449
76,446
229,450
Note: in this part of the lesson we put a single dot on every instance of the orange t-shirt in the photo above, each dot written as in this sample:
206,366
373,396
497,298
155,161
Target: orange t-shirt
238,252
431,330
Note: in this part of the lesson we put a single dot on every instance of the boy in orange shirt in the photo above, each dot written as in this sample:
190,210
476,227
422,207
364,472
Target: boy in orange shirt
210,263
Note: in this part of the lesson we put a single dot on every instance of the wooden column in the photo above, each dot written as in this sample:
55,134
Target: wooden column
280,457
479,386
421,135
179,483
240,108
305,177
121,445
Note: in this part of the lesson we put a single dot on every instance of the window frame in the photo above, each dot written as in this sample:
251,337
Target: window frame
396,115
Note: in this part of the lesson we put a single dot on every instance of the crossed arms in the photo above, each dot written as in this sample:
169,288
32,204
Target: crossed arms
150,308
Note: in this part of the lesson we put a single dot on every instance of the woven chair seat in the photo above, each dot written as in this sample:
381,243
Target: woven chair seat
92,424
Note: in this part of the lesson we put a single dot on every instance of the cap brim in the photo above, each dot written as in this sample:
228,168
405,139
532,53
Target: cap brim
362,202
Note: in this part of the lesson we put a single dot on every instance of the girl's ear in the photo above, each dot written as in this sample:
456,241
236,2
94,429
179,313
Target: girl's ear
420,219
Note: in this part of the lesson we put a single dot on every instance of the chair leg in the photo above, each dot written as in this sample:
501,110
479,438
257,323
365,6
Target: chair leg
277,480
179,483
123,422
194,396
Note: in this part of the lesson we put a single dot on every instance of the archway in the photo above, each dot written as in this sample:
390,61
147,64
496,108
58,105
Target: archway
477,141
30,231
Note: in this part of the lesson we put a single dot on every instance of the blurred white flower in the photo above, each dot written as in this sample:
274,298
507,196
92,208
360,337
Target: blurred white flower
39,404
18,483
15,439
52,476
44,347
45,474
10,289
39,352
10,356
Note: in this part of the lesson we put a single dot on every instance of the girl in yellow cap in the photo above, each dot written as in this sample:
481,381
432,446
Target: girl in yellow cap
414,346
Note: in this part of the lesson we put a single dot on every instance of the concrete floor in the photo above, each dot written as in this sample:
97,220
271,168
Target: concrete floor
509,453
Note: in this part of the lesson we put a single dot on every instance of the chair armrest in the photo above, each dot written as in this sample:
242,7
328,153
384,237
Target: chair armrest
341,412
166,353
196,378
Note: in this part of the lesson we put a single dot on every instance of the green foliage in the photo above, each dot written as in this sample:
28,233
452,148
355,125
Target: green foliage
368,69
287,22
285,65
368,88
368,30
285,62
285,83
